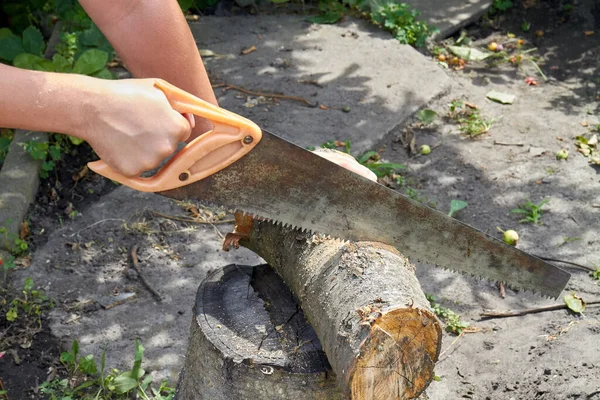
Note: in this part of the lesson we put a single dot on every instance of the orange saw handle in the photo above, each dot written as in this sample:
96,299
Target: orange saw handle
231,138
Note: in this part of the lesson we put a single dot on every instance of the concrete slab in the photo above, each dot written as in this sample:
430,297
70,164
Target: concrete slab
449,16
352,64
19,180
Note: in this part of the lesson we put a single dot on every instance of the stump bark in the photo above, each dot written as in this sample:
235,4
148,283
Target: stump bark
249,339
366,306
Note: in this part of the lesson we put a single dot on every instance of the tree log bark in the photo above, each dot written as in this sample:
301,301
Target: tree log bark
366,306
250,340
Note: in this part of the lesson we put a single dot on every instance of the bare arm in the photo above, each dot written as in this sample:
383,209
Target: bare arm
154,40
129,123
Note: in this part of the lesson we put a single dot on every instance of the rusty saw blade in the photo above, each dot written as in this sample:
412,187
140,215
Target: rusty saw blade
282,182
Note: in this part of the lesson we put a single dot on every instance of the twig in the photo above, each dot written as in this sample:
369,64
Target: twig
135,262
272,95
502,292
96,223
508,144
451,344
506,314
567,262
195,221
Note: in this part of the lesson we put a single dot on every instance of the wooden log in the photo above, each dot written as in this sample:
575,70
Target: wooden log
365,304
249,339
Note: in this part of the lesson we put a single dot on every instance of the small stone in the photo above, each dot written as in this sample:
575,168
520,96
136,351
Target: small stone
509,388
547,371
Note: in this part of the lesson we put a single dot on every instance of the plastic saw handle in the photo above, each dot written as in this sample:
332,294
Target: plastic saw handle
231,138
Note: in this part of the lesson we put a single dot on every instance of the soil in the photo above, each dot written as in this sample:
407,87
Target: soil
552,355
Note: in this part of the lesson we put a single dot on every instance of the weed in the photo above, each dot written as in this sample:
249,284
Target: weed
408,187
26,306
596,274
456,206
469,119
398,18
370,159
86,380
532,212
19,246
500,5
454,324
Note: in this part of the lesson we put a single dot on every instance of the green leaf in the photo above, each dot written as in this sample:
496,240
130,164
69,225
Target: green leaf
61,64
426,116
28,284
54,152
469,54
10,47
33,41
139,354
90,61
11,315
75,140
575,303
75,348
456,205
185,4
327,18
104,73
279,1
124,383
365,157
5,32
504,98
33,62
67,357
87,365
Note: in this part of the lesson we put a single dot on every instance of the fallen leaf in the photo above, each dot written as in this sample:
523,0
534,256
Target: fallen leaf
584,123
426,116
23,261
575,303
539,33
531,81
323,107
207,53
588,33
504,98
469,54
24,232
471,105
248,50
593,141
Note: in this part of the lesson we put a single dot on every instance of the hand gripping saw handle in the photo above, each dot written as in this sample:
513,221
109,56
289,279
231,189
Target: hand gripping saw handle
231,138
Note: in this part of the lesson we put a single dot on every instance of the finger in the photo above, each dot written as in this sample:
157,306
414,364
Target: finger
188,123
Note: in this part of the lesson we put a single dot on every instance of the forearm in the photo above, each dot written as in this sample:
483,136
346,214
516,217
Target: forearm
154,40
44,101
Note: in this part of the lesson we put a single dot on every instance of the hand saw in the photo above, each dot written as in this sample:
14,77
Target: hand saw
241,167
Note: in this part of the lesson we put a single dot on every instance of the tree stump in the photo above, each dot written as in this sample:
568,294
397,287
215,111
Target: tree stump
365,304
249,339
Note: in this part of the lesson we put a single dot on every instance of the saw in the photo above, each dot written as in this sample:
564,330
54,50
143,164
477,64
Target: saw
244,168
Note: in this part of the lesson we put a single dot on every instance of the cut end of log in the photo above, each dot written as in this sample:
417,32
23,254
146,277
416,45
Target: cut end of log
396,360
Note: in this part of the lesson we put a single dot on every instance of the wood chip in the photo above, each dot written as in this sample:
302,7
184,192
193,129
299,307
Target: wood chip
248,50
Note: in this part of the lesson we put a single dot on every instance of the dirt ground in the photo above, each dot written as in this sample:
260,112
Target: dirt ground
552,355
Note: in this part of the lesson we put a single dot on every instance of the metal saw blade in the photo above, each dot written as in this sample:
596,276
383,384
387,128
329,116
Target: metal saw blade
282,182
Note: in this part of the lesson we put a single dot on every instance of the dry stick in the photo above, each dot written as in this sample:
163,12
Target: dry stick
273,95
508,144
135,262
195,221
567,262
2,388
506,314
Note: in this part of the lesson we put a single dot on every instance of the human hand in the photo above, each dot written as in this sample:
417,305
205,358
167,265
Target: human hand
347,161
132,127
